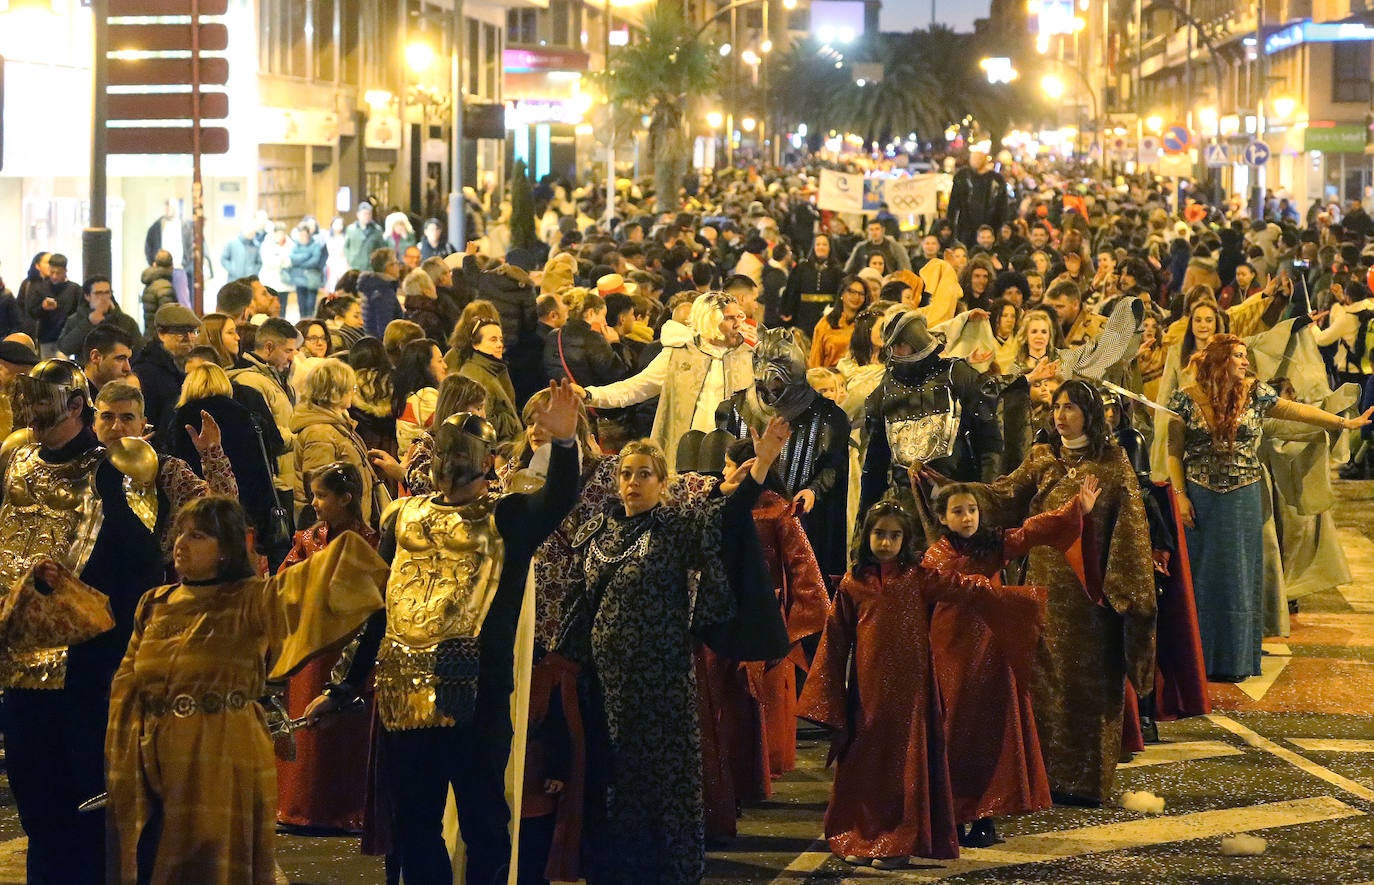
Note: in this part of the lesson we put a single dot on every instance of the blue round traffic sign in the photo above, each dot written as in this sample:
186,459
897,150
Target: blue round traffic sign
1177,139
1256,153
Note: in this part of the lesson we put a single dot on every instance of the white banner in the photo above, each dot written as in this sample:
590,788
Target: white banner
918,195
841,191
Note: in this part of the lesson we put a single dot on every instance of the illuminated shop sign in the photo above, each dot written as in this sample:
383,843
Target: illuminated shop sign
1316,32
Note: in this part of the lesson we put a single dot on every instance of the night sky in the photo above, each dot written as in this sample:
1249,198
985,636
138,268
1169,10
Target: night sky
905,15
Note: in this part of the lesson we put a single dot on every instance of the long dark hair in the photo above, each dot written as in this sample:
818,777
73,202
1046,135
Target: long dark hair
983,542
861,341
1089,401
223,519
865,562
412,373
742,450
341,478
837,303
829,260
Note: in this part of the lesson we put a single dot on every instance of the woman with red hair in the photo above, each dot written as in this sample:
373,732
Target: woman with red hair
1215,468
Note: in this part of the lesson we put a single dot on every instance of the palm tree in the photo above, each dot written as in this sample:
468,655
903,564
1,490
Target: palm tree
660,76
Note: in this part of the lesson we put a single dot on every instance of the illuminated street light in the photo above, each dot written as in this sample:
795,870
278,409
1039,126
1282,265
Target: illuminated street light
1207,117
1284,107
1052,86
724,49
1154,123
766,46
789,4
749,57
419,57
748,124
998,69
715,119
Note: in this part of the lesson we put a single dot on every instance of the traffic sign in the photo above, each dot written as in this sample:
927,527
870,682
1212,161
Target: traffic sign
1256,153
1177,139
1149,150
1216,156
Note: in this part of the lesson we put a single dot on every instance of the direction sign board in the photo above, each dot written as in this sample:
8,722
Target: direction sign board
1177,139
1216,156
1256,153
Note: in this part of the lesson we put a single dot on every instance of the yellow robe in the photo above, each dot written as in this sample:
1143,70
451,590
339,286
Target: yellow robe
199,792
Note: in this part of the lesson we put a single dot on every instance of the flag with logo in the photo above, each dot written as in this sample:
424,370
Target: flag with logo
841,191
918,195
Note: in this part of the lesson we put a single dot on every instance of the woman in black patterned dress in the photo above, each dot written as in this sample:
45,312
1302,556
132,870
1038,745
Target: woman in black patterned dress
640,607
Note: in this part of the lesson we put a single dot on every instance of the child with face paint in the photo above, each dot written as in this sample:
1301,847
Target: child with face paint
892,795
983,662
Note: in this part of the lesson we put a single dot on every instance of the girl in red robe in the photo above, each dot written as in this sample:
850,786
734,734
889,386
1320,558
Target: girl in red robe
323,787
873,684
983,667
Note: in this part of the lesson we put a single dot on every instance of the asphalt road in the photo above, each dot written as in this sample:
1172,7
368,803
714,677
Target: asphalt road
1287,756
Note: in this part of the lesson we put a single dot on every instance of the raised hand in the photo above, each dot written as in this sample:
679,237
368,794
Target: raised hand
1088,493
559,417
209,433
1361,421
769,444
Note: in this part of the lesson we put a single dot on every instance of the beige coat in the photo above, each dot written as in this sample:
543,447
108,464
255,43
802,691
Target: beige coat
282,410
322,437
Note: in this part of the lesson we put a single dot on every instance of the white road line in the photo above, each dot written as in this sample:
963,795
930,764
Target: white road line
1277,648
1256,740
1139,833
1331,745
1183,751
1271,665
804,864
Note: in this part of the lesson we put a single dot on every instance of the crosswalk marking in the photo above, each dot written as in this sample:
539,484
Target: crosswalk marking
1332,745
1139,833
1183,751
1260,742
1065,844
1271,665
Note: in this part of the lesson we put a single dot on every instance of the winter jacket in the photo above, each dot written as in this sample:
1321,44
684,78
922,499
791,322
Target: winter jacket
583,352
424,311
893,252
73,338
10,321
443,250
493,375
157,291
324,436
360,242
160,379
307,264
49,322
241,258
280,400
509,288
380,305
239,429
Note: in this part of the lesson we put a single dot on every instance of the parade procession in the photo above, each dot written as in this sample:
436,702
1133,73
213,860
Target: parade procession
663,442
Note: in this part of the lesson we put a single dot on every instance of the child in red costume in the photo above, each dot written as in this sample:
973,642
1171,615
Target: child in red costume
983,667
873,684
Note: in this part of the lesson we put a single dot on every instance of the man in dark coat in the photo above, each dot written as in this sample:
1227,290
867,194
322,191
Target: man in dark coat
978,196
49,302
160,366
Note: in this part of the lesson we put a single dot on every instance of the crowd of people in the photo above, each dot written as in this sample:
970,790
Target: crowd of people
577,529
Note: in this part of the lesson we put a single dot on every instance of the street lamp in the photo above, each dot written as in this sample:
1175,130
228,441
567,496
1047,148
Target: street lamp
1055,88
1154,123
420,57
748,124
1283,107
1052,86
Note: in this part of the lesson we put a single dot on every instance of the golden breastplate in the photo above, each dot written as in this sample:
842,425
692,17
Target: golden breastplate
443,579
49,510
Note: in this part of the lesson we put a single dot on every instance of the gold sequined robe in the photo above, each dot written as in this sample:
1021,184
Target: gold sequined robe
1095,637
194,798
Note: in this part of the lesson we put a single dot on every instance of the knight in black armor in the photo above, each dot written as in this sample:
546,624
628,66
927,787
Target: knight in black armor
815,461
927,410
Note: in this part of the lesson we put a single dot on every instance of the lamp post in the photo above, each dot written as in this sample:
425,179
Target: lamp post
1055,89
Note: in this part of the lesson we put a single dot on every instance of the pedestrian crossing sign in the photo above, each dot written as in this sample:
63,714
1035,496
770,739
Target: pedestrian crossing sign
1215,156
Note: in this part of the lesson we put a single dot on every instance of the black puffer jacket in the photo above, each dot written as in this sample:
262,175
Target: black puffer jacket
157,291
509,288
585,354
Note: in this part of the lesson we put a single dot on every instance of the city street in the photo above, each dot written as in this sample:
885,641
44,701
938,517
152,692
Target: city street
1288,756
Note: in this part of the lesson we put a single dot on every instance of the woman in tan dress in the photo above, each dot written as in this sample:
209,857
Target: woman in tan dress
190,768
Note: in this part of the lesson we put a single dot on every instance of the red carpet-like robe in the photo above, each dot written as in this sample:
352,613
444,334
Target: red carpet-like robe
984,669
324,786
873,683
